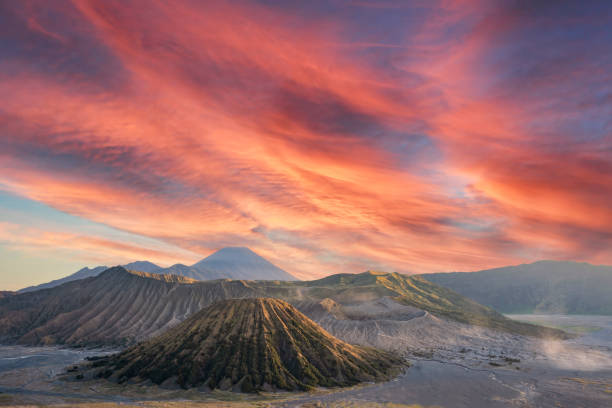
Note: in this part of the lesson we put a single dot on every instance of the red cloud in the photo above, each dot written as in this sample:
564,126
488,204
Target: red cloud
235,123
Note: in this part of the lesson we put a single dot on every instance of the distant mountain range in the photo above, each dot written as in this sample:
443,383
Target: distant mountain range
548,287
80,274
230,263
226,263
248,345
119,307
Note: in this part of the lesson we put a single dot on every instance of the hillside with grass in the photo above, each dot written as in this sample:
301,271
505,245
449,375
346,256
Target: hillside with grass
418,292
249,345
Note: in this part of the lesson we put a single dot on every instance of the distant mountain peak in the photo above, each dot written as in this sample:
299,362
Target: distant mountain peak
240,263
143,266
235,262
234,251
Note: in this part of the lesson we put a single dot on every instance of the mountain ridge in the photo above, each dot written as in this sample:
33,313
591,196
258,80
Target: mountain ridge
143,266
557,287
82,273
225,263
4,293
120,307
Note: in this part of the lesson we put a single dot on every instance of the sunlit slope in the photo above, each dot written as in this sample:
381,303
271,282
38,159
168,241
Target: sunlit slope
422,294
249,345
121,307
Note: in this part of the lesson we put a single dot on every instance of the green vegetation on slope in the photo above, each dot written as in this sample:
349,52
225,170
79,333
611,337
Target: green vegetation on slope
420,293
540,287
249,344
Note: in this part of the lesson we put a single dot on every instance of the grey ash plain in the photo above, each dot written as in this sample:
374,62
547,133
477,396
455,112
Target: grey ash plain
570,373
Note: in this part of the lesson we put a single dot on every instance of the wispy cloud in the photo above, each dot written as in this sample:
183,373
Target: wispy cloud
471,135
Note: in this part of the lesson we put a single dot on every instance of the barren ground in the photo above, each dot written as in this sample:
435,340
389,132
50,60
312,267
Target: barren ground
468,368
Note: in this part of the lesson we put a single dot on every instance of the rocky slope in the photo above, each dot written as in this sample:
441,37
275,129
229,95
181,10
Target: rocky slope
540,287
119,307
115,308
248,345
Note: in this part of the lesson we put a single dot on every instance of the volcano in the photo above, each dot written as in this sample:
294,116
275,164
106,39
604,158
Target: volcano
249,345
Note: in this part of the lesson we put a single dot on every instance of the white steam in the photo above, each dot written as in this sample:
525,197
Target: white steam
574,357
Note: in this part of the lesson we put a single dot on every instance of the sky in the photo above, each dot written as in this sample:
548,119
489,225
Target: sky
328,136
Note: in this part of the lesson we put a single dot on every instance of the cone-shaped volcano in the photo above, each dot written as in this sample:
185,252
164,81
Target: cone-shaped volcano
248,345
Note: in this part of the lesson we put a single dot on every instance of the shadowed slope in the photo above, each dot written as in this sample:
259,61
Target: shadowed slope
251,344
117,307
540,287
4,293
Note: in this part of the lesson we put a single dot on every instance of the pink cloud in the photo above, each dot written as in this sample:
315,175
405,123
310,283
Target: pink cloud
235,123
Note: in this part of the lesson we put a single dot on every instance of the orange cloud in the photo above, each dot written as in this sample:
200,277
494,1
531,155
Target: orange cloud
92,248
325,144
